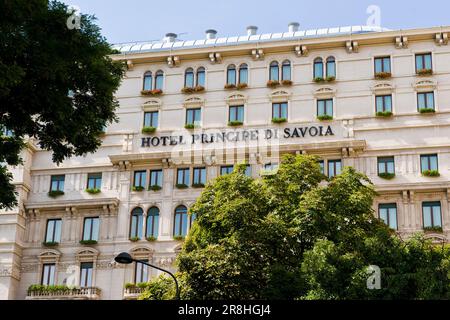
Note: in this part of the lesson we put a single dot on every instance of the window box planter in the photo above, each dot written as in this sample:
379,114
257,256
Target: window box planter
424,72
278,120
148,130
330,79
50,244
155,92
198,185
199,89
319,80
432,229
178,238
273,83
325,117
89,242
235,123
93,190
55,193
191,126
188,90
151,238
427,110
181,186
431,173
137,188
387,175
241,86
134,239
383,75
384,114
230,86
286,82
155,188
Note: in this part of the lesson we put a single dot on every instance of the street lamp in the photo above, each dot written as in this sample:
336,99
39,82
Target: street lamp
126,258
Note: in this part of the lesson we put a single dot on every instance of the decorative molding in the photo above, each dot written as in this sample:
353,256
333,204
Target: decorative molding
165,261
130,65
425,85
86,254
352,46
152,104
258,54
401,42
441,38
279,96
215,57
301,51
173,61
194,102
383,87
236,99
325,92
142,253
49,255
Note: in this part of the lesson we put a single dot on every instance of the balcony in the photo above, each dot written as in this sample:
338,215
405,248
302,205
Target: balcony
132,293
42,293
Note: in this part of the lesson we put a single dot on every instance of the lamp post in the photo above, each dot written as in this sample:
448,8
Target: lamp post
126,258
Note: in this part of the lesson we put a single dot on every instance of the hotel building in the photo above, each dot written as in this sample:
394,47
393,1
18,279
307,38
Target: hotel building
367,97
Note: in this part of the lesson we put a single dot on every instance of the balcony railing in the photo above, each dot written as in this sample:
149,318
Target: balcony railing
132,293
88,293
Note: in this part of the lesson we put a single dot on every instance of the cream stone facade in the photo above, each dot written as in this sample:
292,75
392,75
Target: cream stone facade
355,136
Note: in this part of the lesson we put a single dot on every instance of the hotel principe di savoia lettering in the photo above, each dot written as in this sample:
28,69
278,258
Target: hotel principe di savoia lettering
367,97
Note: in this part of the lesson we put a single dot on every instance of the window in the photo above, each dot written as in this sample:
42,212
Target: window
136,223
94,181
159,79
192,218
151,119
322,166
231,74
226,170
270,166
383,103
279,110
248,170
57,183
431,214
273,71
91,228
48,274
386,165
428,162
156,178
199,176
183,176
148,82
140,178
189,78
388,213
243,73
141,272
334,168
6,132
325,107
152,222
53,232
201,76
425,100
87,269
383,64
236,113
194,116
181,222
318,68
423,62
286,70
331,67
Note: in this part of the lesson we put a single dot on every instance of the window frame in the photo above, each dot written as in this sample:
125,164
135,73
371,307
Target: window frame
147,74
318,62
231,68
181,211
384,161
199,175
425,94
280,106
136,217
141,269
286,64
91,229
334,163
159,75
189,71
154,217
237,108
422,56
50,275
383,98
274,70
54,237
87,280
330,60
243,66
194,111
429,156
60,180
226,167
432,205
151,118
200,70
388,207
383,66
158,172
325,101
186,176
97,178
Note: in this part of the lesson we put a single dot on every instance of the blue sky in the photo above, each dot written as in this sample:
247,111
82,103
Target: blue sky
139,20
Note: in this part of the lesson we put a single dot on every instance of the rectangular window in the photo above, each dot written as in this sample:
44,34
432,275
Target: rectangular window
226,170
87,269
151,119
423,62
91,228
386,165
199,176
140,178
156,177
94,181
248,170
141,272
57,183
429,162
325,107
431,214
425,100
334,168
53,231
236,113
270,166
383,64
183,176
322,166
194,116
384,103
279,110
388,213
48,274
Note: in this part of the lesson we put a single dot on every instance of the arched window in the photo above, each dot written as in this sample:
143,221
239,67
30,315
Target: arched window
231,74
159,77
192,218
331,67
201,77
273,73
147,84
136,223
152,222
189,78
318,68
286,70
181,221
243,73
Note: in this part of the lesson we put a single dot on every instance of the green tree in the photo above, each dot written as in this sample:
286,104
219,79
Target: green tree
57,83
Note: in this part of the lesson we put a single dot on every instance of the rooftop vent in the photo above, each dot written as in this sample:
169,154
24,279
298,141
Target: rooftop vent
293,26
210,34
170,37
251,30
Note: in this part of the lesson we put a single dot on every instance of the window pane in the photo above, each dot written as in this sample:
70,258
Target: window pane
286,72
159,81
240,113
387,64
148,82
320,107
424,163
184,222
384,215
87,229
243,75
274,73
433,162
331,69
378,65
426,216
421,101
428,61
437,216
390,167
201,78
95,228
430,100
419,63
57,237
318,70
50,229
393,218
189,79
283,110
231,76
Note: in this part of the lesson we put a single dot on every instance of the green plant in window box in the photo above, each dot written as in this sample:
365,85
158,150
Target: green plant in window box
88,242
93,190
273,83
241,86
190,126
130,285
432,229
134,239
38,288
235,123
286,82
187,90
181,186
384,114
142,285
427,110
138,188
155,92
325,117
319,79
330,78
383,75
278,120
50,244
431,173
425,72
151,238
55,193
155,188
199,89
148,130
230,86
386,175
198,185
178,238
